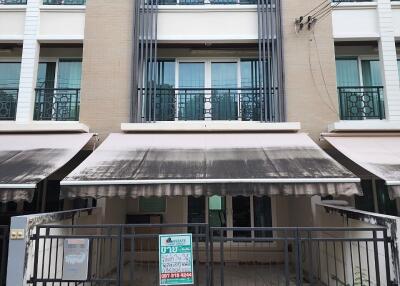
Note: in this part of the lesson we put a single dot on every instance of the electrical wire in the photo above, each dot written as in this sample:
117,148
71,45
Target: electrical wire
328,104
323,74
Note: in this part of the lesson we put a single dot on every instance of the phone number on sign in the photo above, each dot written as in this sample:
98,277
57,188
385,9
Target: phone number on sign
176,275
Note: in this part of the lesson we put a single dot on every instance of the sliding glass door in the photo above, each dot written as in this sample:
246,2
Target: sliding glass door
224,95
191,94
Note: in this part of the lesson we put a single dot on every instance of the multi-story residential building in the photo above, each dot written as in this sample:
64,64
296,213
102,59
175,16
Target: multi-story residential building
213,117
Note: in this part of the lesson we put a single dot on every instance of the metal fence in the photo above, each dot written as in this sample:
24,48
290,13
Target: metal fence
169,104
128,255
8,103
60,104
358,103
4,231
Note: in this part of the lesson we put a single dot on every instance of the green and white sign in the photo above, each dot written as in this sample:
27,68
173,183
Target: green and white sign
176,259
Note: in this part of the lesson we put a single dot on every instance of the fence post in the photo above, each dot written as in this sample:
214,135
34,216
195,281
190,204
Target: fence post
211,255
386,241
298,257
120,256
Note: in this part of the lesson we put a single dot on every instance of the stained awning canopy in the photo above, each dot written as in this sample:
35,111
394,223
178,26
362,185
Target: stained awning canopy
379,155
27,159
186,164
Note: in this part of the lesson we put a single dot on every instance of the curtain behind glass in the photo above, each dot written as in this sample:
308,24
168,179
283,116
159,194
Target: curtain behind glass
69,74
9,75
347,73
224,95
191,100
371,72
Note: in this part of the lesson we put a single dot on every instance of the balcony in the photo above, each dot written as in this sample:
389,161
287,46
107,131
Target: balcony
361,102
64,2
245,104
13,2
8,103
57,104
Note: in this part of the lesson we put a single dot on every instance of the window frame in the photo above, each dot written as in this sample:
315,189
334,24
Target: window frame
229,218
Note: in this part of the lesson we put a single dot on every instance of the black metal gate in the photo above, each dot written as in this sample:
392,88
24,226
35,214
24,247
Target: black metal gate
128,255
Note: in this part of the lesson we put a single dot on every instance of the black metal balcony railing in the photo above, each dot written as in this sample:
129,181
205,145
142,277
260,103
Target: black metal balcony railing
8,103
170,104
13,2
202,2
64,2
57,104
359,103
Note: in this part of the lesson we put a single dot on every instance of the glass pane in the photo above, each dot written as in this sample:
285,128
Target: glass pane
152,205
262,215
251,102
224,94
217,218
398,67
347,73
241,215
46,75
385,204
69,74
9,75
165,101
371,72
196,210
365,202
191,95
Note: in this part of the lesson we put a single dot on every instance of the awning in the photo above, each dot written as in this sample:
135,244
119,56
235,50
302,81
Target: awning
379,155
186,164
27,159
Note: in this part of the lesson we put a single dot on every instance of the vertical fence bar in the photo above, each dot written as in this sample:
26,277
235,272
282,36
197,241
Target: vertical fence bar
287,274
386,241
298,257
376,258
221,249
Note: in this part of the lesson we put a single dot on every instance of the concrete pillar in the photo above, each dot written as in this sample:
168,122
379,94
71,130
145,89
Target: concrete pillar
29,62
388,59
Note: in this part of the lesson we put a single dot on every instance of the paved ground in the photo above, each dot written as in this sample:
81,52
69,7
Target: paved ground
234,275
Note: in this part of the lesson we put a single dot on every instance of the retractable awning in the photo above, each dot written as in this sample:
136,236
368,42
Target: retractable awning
379,155
184,164
27,159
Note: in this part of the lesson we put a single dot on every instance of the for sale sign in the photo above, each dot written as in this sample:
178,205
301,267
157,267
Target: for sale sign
176,259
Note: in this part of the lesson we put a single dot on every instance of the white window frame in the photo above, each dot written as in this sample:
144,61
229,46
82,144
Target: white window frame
229,216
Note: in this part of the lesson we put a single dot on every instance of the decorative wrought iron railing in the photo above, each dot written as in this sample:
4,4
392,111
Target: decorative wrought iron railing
64,2
169,104
361,102
202,2
59,104
8,103
13,2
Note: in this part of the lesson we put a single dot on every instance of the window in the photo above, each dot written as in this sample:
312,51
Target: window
348,72
9,75
191,99
152,205
66,73
245,212
164,101
252,212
